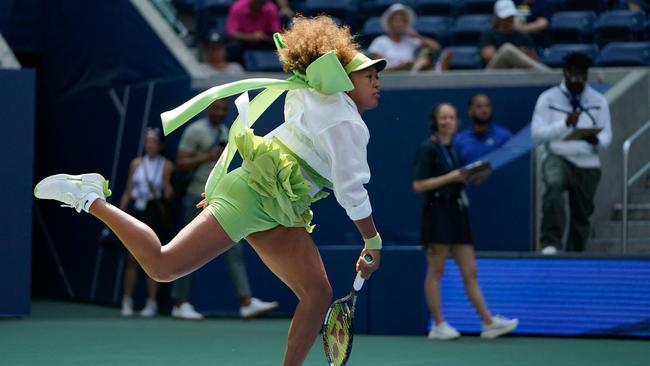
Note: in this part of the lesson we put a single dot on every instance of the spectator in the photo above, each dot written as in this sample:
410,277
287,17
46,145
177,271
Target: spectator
200,147
534,19
402,46
147,185
445,225
217,59
286,12
484,136
638,5
251,24
503,47
572,166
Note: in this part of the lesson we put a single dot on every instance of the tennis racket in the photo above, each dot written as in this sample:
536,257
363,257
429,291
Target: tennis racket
337,328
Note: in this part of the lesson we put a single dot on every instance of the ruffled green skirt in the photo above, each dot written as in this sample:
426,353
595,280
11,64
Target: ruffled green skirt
268,190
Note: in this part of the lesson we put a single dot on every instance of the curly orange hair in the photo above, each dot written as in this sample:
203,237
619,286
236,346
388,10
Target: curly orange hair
310,38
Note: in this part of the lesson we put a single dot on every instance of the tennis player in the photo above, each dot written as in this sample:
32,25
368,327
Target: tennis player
321,144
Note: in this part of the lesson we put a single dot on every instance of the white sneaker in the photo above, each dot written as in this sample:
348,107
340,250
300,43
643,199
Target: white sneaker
257,307
443,331
499,327
150,309
549,250
127,307
186,311
76,191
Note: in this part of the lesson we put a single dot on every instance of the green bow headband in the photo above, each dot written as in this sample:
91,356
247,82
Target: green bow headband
325,74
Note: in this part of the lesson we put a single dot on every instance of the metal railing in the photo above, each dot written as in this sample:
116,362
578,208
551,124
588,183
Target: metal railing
627,183
169,14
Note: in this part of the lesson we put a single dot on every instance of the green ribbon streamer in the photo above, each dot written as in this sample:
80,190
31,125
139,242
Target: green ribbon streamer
325,74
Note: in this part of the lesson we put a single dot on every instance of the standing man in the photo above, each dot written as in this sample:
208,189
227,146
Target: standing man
570,165
200,147
484,136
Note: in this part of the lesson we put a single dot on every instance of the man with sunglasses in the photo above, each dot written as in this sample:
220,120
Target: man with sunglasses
570,165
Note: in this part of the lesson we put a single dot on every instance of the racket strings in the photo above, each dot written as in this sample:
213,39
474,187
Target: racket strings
337,334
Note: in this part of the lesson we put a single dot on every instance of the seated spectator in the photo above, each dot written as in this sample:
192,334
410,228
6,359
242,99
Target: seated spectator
484,136
534,19
286,12
251,24
216,59
401,46
638,5
503,47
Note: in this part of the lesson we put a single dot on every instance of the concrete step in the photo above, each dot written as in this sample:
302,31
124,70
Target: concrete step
639,195
636,211
615,246
614,230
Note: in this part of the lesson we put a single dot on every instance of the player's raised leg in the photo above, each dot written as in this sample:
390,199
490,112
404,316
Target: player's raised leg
198,243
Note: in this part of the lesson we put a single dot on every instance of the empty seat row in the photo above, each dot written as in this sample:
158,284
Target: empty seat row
468,57
610,26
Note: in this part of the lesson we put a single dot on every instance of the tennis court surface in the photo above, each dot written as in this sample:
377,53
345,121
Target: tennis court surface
61,333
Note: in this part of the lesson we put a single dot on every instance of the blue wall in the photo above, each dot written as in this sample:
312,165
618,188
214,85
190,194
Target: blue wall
16,159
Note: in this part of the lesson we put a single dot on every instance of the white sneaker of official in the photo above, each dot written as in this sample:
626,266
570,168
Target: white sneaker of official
257,307
150,309
443,332
186,311
127,307
499,326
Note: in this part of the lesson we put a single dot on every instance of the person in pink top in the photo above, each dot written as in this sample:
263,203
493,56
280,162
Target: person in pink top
253,22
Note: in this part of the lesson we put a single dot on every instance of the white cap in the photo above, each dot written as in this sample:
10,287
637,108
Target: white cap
505,9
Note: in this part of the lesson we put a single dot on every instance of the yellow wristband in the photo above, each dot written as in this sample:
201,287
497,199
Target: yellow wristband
373,243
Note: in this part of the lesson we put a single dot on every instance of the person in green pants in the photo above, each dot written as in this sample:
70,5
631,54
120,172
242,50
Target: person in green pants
570,165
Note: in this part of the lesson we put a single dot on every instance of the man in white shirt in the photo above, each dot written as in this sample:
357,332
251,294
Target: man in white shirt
570,165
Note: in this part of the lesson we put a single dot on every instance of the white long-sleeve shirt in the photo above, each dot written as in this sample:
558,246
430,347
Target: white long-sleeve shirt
328,133
549,124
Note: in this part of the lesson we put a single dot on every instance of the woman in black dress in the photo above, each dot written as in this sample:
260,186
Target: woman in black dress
445,225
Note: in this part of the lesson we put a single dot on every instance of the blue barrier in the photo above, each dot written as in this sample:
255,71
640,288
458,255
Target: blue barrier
17,89
550,296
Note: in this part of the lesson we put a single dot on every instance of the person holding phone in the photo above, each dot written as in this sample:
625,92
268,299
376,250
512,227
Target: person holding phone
570,165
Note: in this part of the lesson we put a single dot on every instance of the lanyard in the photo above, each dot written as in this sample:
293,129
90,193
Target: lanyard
451,159
580,107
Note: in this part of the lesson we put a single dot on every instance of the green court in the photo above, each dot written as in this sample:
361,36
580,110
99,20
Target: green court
76,334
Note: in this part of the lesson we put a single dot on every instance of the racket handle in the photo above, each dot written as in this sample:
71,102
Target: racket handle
358,281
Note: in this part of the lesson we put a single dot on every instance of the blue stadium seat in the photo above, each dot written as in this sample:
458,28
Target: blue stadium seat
372,29
261,61
467,29
619,26
374,8
434,7
476,6
573,26
215,7
465,58
625,54
434,27
577,5
345,10
554,55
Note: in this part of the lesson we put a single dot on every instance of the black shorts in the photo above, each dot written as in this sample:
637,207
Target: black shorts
445,222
